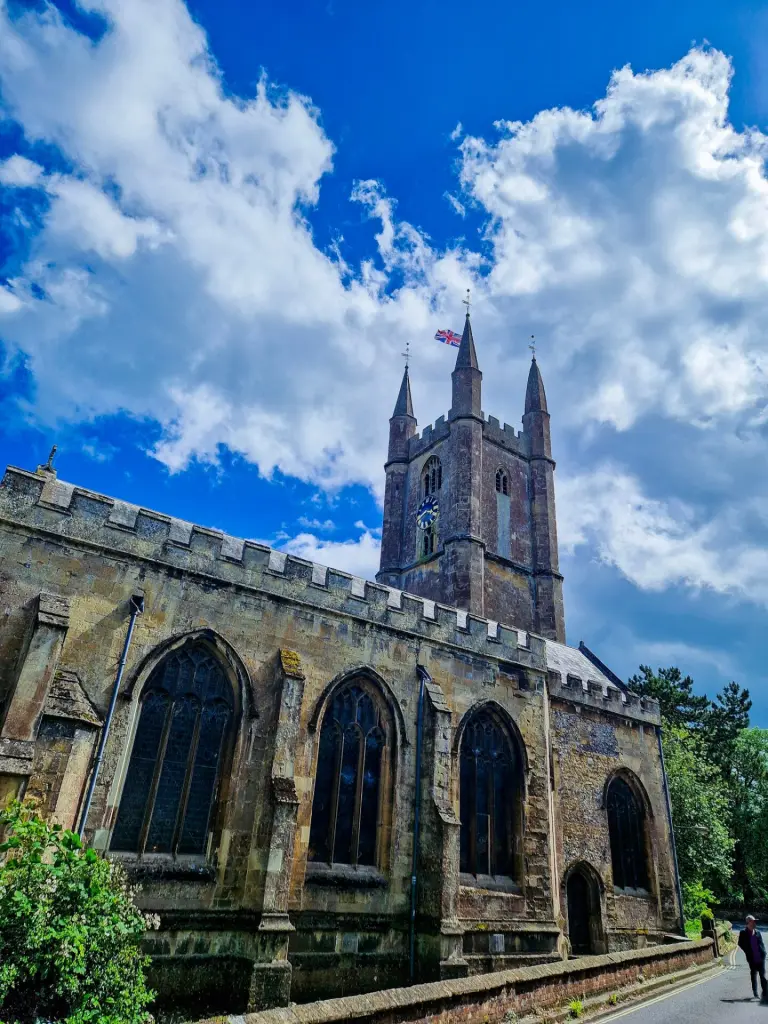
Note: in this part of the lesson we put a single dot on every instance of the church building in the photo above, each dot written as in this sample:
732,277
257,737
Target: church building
325,785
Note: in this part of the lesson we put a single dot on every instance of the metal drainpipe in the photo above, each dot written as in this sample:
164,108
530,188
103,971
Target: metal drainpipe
681,921
137,607
424,677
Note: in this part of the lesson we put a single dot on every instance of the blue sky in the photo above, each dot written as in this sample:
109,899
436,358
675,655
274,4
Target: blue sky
220,223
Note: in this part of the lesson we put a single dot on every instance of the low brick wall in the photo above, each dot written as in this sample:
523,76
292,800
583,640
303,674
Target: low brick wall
482,997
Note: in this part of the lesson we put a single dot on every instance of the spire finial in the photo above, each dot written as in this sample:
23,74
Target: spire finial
532,347
407,353
467,302
49,463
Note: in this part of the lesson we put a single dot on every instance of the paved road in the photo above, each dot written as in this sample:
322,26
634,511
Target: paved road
727,997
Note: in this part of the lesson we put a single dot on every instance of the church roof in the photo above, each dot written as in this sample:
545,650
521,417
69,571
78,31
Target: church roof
404,405
467,356
535,398
569,661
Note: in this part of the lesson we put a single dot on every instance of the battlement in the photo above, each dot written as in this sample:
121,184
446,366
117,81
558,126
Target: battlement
429,435
505,436
603,696
40,503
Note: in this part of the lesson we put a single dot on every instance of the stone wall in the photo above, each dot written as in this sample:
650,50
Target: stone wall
488,998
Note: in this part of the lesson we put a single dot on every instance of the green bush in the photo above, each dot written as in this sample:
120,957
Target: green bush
576,1008
696,904
69,930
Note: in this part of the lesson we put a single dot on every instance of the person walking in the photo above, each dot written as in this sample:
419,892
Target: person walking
751,941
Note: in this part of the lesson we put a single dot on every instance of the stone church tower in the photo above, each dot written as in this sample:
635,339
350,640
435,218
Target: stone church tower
469,506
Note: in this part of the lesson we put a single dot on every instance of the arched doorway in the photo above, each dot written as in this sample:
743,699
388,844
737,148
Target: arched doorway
584,919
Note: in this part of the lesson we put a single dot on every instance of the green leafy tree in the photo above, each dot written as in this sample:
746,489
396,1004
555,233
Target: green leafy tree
726,718
748,789
679,705
70,932
700,812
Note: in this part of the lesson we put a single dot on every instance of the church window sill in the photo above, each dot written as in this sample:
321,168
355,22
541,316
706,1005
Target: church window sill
642,894
491,883
345,876
164,867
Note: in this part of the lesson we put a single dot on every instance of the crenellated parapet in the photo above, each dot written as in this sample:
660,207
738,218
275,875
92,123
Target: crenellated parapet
430,435
505,436
42,504
597,694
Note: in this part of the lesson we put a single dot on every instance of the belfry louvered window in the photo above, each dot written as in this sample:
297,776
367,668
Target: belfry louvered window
626,827
502,482
350,785
432,478
170,788
489,798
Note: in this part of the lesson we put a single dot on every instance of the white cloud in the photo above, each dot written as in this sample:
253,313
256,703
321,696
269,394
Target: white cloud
655,543
358,557
316,524
9,303
18,172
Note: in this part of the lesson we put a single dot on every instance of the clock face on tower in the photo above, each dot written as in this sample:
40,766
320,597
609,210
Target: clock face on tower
427,513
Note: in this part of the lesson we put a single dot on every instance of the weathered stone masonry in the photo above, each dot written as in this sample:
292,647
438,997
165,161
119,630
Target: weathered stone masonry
253,916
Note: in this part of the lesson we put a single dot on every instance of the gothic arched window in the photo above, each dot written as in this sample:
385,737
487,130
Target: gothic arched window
626,827
502,483
175,767
351,779
432,479
489,798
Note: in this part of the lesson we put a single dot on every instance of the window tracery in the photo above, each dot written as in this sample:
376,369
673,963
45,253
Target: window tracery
350,782
489,797
432,477
173,774
626,827
502,482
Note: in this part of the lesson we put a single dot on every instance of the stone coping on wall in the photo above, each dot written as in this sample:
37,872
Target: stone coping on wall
546,984
40,502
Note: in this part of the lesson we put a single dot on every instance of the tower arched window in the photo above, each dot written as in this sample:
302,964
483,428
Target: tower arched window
502,482
432,477
185,720
490,798
626,827
351,782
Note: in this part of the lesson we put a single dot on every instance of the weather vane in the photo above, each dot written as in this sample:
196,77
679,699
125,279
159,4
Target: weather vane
532,346
407,353
467,302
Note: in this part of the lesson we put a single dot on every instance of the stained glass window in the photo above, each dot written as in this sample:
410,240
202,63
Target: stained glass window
626,827
346,811
170,787
489,797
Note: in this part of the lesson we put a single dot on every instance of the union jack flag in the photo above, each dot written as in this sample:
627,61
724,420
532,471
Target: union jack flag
448,338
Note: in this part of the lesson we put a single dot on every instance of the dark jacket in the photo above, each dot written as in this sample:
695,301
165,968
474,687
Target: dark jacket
745,943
